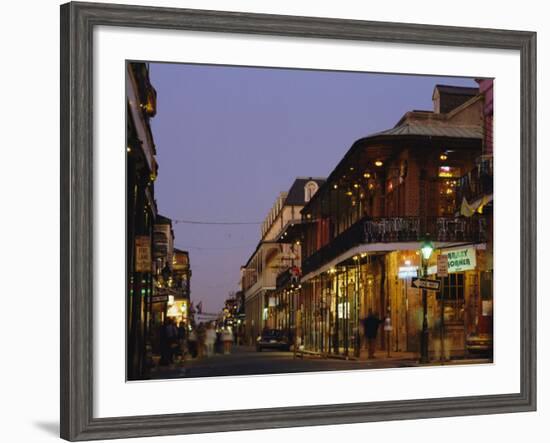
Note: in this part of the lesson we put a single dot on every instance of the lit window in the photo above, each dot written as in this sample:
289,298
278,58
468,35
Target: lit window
310,189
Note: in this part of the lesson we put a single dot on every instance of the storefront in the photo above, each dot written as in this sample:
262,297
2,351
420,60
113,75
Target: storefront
334,302
178,310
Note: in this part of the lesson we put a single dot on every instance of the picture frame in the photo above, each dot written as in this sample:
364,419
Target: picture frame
77,219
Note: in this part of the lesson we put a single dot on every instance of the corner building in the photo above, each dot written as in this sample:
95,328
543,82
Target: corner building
362,230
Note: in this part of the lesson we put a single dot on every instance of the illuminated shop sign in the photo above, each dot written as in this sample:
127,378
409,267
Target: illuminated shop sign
459,260
407,271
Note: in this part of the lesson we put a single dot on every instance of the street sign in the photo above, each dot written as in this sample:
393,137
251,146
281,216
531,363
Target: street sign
206,317
143,253
442,266
159,298
433,285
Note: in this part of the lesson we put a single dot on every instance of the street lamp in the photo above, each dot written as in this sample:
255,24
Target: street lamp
426,249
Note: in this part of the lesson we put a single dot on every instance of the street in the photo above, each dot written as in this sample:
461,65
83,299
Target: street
246,361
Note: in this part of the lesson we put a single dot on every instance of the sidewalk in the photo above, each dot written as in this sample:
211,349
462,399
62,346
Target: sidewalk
381,357
378,356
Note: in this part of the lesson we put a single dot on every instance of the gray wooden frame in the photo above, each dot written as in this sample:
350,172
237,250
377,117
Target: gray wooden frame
77,24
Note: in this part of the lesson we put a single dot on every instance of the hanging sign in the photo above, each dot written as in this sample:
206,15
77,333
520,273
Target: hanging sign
459,260
159,299
143,253
407,271
442,266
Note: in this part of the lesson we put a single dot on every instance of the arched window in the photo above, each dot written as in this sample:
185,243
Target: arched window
310,189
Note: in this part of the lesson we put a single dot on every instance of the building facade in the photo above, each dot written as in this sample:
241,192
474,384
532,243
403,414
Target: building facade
265,306
361,233
141,211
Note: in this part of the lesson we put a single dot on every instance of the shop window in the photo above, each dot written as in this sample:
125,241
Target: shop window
448,179
447,197
452,293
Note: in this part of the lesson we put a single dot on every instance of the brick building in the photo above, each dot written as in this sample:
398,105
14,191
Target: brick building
361,232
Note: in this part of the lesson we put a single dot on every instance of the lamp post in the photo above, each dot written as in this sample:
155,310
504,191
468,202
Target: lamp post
426,249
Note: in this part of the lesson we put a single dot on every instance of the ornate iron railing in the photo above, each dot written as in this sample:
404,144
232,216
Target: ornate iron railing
399,229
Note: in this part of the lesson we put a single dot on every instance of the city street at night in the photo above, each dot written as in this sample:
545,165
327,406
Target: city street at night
366,230
245,360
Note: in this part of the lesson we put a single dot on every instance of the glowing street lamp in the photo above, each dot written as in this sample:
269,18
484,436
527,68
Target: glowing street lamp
426,249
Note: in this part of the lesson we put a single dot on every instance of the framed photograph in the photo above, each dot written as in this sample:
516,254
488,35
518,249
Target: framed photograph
273,221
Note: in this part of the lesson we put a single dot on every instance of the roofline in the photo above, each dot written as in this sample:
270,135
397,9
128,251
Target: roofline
457,88
373,138
310,178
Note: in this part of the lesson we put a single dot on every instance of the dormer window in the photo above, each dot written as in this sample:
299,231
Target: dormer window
310,189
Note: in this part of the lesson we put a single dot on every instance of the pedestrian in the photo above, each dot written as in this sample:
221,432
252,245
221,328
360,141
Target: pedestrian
218,347
371,325
210,340
192,342
168,339
201,335
182,337
172,335
227,338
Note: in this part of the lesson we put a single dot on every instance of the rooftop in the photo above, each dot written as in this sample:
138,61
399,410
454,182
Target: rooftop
457,90
296,195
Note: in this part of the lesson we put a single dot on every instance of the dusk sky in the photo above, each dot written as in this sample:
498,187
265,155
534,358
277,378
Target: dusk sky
230,139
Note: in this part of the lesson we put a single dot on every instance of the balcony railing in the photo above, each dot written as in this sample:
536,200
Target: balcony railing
283,278
399,229
351,237
477,183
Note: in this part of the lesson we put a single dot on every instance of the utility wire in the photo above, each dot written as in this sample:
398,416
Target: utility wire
201,248
200,222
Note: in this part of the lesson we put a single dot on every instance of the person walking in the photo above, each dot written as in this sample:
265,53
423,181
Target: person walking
227,339
201,342
192,342
210,340
172,336
371,325
168,339
182,338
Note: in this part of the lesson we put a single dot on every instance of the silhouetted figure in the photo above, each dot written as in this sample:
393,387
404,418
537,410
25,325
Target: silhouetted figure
371,325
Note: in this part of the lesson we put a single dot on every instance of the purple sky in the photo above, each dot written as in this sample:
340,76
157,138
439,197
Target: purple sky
229,139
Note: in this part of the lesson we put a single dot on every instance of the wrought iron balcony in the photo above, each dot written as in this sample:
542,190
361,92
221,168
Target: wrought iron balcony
398,230
283,278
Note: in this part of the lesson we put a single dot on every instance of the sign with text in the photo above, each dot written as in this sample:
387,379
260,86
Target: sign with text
143,253
432,285
205,317
442,266
159,299
459,260
407,271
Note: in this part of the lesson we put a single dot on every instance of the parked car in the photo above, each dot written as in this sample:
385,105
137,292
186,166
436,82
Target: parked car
272,339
